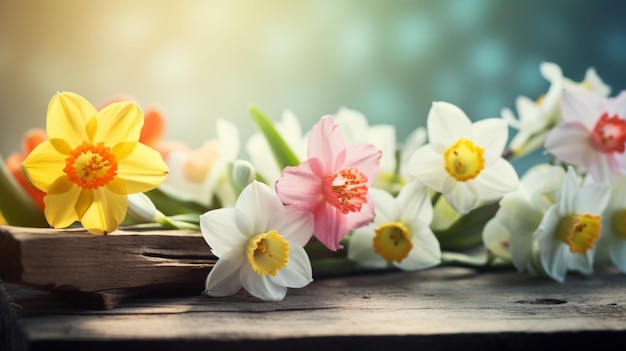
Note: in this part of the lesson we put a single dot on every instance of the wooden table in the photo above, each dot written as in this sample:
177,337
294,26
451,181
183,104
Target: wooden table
441,308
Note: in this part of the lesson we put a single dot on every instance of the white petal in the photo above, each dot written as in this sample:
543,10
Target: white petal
592,198
425,252
497,239
386,208
429,167
617,253
295,225
581,263
361,248
220,231
261,286
228,136
492,134
259,202
223,279
554,253
297,273
414,203
447,123
568,193
461,198
498,178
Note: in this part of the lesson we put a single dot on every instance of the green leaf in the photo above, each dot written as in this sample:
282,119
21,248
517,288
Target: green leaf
16,206
466,232
171,206
281,151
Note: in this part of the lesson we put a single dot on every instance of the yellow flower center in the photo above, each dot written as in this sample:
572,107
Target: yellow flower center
464,160
619,223
346,189
267,252
393,241
91,166
579,231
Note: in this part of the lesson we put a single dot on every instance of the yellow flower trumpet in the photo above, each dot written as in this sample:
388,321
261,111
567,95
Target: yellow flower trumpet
91,162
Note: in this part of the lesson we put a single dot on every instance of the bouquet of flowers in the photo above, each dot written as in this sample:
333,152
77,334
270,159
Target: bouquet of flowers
345,196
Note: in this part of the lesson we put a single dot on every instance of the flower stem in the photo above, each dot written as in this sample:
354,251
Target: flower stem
16,206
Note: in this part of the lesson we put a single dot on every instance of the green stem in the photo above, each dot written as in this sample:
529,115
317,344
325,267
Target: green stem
16,206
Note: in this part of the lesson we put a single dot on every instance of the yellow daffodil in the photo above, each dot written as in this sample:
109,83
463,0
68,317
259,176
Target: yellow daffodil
91,162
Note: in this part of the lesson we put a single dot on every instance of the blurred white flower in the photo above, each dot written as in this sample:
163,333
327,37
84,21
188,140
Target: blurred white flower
509,234
202,174
612,243
537,118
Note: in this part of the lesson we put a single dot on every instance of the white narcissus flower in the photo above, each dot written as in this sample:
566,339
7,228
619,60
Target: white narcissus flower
201,174
260,245
463,159
612,243
570,228
261,155
400,234
593,133
537,118
509,234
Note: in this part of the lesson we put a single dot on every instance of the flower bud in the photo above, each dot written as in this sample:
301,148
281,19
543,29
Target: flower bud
243,173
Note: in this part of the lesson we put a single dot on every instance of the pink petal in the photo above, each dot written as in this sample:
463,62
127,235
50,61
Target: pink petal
365,158
326,143
582,106
569,142
300,187
330,226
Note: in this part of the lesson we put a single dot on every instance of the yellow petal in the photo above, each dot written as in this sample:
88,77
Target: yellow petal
44,165
59,208
61,146
67,117
143,170
60,185
123,149
118,122
83,202
105,213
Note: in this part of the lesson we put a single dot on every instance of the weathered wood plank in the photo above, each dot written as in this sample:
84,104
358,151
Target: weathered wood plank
442,308
121,263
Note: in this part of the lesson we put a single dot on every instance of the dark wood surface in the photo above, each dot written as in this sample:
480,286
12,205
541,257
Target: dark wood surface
438,309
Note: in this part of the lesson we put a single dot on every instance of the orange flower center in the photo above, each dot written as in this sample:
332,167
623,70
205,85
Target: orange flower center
91,166
346,189
609,134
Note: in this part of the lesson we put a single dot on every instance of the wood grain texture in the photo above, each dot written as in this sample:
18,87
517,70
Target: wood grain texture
74,260
441,308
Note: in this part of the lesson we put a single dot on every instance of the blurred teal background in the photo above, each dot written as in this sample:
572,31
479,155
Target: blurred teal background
200,60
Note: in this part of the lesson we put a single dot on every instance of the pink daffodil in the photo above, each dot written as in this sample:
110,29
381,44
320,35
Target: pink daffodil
332,183
593,133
